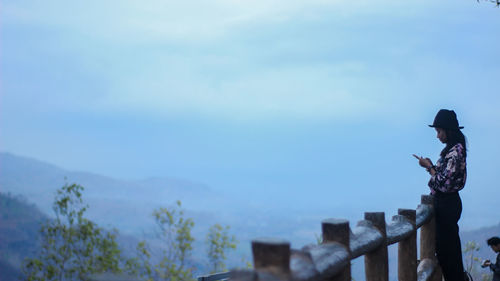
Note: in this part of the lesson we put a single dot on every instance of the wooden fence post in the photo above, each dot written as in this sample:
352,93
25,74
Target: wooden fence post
337,230
428,234
407,250
272,255
376,262
428,238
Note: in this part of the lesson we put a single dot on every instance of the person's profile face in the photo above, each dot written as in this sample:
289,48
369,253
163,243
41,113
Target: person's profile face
441,134
495,248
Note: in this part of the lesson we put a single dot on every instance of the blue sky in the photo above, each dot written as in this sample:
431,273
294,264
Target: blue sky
312,103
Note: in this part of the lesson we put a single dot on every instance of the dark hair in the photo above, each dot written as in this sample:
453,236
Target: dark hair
493,241
453,137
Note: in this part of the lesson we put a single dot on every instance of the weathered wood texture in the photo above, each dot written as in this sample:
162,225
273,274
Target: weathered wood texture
399,228
214,277
272,256
365,237
424,214
302,266
274,260
407,250
428,240
338,231
426,268
242,275
377,261
329,259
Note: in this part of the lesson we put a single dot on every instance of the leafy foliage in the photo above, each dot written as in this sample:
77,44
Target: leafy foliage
175,234
218,242
470,249
472,261
72,247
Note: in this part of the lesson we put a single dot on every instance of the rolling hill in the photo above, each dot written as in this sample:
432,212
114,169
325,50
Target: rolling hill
127,205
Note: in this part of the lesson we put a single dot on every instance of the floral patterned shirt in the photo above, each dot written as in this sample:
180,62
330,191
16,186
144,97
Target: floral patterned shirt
451,171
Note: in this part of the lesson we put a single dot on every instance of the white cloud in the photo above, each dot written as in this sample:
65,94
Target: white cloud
194,57
192,21
319,92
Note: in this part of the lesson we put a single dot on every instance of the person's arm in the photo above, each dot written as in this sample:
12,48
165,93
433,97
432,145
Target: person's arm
426,163
496,266
451,172
442,179
431,170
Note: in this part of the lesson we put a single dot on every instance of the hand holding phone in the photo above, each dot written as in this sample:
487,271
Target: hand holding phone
424,162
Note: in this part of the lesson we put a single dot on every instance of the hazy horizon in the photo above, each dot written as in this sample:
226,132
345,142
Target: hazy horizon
286,105
206,201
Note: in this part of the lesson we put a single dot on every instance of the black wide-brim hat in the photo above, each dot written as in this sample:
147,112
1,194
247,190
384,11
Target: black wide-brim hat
446,119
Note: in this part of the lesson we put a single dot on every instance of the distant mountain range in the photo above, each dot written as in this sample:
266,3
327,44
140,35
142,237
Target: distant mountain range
127,205
19,225
122,204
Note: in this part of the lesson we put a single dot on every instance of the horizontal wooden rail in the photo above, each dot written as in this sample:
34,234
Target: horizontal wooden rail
214,277
330,260
274,260
426,269
365,238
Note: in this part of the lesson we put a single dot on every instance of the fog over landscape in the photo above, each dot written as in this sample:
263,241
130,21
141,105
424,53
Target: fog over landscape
268,116
128,205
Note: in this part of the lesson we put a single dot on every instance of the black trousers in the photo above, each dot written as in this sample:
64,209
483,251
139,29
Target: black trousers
448,208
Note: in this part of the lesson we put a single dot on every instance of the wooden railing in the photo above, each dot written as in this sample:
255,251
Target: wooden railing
221,276
331,260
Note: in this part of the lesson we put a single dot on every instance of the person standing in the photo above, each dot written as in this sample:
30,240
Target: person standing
494,243
448,177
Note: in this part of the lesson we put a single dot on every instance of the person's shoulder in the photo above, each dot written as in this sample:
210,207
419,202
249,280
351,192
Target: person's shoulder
456,150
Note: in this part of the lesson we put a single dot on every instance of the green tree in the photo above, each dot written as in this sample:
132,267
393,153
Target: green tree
141,265
72,247
218,242
470,249
472,262
175,235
